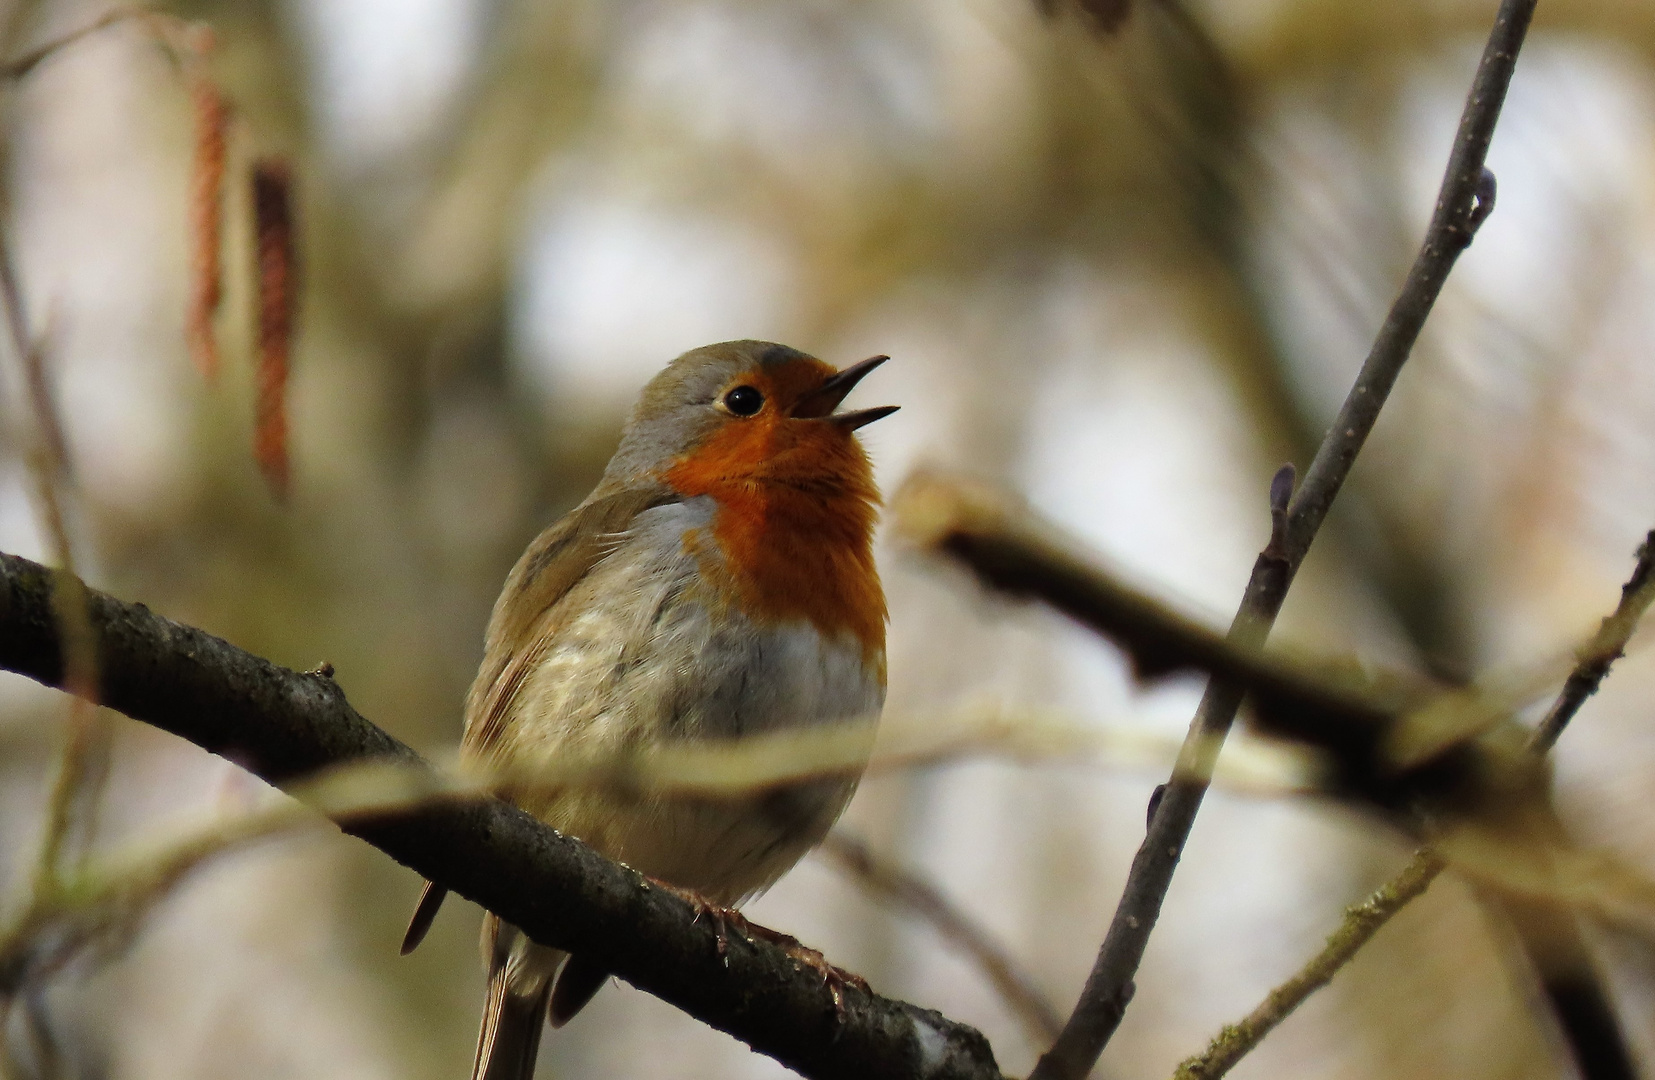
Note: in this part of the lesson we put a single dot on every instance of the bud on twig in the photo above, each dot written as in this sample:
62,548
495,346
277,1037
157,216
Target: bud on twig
1281,496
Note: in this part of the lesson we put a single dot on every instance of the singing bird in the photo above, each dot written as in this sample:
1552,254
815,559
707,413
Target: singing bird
719,582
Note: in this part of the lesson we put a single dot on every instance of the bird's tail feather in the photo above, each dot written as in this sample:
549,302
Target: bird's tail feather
577,983
430,899
512,1023
520,976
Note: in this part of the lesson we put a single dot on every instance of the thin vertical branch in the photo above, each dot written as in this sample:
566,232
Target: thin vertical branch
1463,203
84,763
71,812
278,284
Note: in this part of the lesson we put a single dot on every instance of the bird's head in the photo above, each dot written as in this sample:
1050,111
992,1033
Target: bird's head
749,413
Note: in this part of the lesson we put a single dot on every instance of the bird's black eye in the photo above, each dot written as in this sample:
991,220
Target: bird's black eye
744,400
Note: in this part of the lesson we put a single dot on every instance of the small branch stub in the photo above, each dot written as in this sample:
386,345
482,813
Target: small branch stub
1482,205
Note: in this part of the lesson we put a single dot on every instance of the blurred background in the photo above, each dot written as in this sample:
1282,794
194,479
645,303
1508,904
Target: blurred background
1125,271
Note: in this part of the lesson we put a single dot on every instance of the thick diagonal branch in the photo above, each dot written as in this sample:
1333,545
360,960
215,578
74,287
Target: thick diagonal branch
283,726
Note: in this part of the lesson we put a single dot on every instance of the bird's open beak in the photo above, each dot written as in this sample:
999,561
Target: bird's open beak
820,402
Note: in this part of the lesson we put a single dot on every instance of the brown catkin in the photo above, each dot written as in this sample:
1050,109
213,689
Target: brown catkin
278,290
206,222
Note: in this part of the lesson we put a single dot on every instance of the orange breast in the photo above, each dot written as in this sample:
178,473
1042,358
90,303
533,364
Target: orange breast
796,509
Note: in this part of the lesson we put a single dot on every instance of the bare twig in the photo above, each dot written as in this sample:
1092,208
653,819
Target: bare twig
179,37
283,725
1606,646
23,65
908,890
84,763
763,760
1463,203
101,907
77,787
921,740
187,45
1361,923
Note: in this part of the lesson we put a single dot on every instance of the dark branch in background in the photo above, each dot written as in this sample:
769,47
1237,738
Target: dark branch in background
1391,743
282,726
1609,1056
912,892
1463,202
1429,763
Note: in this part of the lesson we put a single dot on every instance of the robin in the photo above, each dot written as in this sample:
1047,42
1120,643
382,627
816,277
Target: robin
719,582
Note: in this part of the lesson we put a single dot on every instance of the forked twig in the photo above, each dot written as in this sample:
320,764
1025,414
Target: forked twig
1363,921
1464,201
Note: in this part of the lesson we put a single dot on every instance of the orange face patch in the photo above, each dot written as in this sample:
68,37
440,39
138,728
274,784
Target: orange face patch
796,508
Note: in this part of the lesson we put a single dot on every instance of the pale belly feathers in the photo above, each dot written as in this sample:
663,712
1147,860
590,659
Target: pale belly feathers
644,653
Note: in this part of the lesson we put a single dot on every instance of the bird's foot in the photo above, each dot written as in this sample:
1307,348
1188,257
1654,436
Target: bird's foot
721,917
833,977
724,919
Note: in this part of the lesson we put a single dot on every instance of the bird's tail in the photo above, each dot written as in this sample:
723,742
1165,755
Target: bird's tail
510,1037
514,1015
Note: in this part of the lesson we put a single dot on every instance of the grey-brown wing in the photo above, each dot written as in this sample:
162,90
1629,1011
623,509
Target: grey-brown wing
525,619
523,622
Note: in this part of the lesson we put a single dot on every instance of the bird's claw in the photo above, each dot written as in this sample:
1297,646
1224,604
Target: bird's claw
836,979
721,917
833,977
